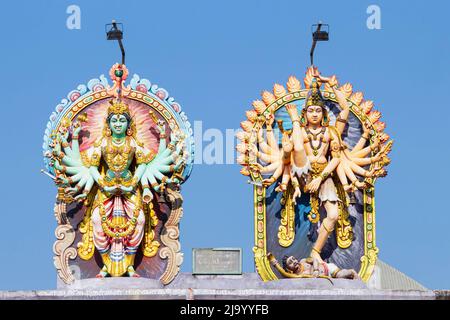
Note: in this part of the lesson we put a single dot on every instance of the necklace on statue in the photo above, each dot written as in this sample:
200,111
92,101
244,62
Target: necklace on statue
118,141
314,137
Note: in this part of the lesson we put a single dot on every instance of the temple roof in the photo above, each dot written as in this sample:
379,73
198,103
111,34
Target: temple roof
386,277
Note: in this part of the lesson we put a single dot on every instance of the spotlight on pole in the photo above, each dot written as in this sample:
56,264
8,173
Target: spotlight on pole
114,31
321,34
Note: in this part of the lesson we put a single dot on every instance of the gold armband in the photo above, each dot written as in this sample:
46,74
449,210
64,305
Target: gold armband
95,160
145,186
140,157
171,146
324,175
64,144
295,184
335,148
339,119
162,135
154,185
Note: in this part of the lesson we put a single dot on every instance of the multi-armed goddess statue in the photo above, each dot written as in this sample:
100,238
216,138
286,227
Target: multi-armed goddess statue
118,155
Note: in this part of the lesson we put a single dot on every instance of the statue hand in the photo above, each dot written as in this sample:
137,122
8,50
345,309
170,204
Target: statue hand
64,133
269,120
281,188
267,182
297,194
161,127
316,74
252,148
314,185
292,111
76,128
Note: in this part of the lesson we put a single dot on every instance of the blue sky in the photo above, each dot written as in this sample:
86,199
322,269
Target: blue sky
215,57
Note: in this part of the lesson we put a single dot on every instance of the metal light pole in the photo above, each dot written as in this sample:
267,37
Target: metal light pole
114,31
321,34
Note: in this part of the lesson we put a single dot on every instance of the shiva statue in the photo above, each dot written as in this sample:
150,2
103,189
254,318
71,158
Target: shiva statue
320,163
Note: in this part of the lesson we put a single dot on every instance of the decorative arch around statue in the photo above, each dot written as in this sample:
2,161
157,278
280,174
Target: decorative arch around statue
282,228
151,107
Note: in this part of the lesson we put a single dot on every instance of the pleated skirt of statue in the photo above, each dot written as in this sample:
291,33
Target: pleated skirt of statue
118,225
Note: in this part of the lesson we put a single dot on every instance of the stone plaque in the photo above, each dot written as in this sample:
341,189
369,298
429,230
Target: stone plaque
217,261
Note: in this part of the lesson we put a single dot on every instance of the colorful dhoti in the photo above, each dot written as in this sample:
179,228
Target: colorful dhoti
118,227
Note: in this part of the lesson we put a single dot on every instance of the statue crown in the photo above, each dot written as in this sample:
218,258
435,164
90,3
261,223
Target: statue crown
314,96
118,107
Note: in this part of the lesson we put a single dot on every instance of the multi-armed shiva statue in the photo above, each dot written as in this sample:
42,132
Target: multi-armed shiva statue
315,176
118,155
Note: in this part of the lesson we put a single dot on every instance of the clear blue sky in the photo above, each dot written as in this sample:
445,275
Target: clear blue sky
215,57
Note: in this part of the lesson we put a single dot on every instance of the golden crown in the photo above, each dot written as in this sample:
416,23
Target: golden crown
314,96
118,107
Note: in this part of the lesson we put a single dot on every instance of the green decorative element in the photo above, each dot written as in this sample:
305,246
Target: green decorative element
118,73
369,208
148,99
167,114
88,99
369,227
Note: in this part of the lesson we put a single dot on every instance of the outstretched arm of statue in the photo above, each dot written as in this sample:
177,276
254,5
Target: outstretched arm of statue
300,157
341,120
162,136
261,155
285,180
366,161
66,146
278,172
296,185
164,162
264,146
260,168
271,140
347,169
75,143
364,152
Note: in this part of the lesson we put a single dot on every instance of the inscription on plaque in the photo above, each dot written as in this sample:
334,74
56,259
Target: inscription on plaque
217,261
